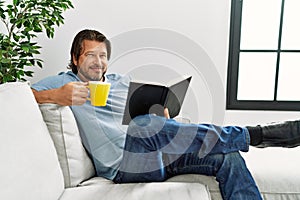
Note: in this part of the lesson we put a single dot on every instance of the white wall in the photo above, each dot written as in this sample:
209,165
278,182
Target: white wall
173,36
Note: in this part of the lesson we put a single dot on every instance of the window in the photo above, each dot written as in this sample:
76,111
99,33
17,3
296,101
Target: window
264,55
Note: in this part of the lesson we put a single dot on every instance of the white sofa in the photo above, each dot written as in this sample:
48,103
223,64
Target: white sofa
42,158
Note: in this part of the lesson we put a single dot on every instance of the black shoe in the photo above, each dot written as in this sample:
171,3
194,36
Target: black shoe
286,134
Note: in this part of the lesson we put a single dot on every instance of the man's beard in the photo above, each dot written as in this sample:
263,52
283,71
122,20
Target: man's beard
87,76
98,78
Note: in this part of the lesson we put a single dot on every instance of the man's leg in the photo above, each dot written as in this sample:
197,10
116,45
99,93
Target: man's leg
235,180
285,134
148,137
176,138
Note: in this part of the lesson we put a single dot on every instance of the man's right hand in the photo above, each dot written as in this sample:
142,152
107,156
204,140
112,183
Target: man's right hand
73,93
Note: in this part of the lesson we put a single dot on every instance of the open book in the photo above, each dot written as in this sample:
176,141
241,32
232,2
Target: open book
152,98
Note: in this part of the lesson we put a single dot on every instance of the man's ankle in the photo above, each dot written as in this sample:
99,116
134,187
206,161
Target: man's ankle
256,135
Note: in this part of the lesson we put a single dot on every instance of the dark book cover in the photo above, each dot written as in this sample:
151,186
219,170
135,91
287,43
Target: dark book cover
152,98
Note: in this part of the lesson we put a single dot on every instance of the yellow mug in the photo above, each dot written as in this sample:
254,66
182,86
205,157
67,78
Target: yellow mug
98,92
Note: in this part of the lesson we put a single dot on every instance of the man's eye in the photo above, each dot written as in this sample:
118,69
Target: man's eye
90,55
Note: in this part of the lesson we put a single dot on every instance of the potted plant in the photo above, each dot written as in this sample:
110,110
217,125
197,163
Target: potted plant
22,20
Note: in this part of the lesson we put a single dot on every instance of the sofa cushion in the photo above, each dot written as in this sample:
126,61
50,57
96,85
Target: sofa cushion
74,161
29,164
276,171
97,180
145,191
210,181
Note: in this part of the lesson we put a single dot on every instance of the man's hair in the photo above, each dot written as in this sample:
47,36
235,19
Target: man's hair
76,48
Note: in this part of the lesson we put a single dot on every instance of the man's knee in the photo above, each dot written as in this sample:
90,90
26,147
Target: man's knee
233,160
145,126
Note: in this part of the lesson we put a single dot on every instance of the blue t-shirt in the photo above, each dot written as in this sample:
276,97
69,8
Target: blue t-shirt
101,129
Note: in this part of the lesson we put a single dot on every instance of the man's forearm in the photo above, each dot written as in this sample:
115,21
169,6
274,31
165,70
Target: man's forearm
45,96
73,93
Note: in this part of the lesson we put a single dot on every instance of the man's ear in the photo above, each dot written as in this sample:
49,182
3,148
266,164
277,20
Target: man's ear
74,60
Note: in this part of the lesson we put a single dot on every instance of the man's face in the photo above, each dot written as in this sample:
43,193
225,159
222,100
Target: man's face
92,62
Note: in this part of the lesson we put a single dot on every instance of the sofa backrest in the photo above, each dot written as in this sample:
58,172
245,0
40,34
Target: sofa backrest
29,168
74,160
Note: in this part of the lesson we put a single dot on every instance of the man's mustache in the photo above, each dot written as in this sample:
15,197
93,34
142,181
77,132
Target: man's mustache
97,66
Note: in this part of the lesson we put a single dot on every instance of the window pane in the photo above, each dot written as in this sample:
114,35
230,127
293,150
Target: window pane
289,73
256,76
291,30
260,24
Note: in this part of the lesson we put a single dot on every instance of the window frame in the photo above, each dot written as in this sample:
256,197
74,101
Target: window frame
232,103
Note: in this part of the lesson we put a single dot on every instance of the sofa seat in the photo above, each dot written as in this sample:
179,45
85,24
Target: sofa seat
138,191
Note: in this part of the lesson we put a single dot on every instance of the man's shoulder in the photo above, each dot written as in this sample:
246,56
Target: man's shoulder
56,81
114,77
70,75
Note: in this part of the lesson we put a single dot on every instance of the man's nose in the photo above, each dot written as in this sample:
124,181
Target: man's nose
98,61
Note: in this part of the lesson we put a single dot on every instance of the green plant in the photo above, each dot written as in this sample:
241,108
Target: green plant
23,20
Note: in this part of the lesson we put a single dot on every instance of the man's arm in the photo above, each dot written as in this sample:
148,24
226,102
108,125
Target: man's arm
73,93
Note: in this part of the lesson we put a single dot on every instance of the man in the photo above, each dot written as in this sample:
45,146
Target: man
152,148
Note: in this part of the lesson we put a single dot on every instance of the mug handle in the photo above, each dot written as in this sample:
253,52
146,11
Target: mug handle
88,98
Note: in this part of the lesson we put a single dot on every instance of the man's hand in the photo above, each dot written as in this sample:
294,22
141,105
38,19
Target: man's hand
73,93
166,113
